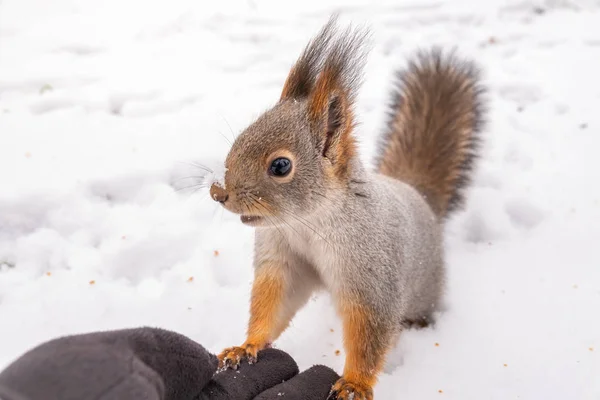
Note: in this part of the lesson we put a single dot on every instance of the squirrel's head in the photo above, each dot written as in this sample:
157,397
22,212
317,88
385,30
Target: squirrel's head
286,162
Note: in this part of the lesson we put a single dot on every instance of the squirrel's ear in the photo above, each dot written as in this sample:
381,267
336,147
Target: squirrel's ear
303,74
330,104
331,114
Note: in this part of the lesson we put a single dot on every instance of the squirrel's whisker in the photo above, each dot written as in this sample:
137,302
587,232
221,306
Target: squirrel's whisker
229,126
299,219
267,217
189,177
202,167
226,138
199,185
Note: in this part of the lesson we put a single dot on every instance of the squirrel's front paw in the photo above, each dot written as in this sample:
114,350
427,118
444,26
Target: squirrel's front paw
345,390
232,356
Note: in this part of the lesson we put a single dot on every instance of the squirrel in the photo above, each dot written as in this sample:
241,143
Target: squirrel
371,238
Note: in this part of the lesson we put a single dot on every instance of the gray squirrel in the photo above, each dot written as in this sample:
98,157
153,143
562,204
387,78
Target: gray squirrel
372,239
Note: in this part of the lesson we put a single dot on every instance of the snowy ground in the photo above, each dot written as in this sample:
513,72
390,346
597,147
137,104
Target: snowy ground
102,104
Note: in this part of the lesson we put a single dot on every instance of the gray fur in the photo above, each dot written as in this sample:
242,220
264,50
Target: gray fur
384,246
376,238
371,240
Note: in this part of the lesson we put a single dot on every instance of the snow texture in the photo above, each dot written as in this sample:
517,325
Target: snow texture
111,113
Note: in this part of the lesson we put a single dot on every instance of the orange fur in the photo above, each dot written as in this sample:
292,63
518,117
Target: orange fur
366,345
319,98
290,84
347,144
341,146
265,322
265,304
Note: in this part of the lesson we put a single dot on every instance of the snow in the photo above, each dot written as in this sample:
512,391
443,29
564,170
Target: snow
110,113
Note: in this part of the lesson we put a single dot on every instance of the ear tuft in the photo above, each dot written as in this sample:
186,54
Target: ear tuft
341,71
303,74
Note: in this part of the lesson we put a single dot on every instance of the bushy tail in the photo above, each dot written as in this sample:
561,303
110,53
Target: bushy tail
433,132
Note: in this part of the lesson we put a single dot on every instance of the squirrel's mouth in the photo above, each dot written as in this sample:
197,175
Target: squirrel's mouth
251,219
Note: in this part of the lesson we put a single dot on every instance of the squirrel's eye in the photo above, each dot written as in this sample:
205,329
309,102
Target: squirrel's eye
280,166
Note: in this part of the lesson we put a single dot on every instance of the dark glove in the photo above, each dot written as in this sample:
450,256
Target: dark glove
144,363
313,384
153,364
273,367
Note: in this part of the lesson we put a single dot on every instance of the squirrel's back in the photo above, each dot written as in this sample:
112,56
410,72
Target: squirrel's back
433,131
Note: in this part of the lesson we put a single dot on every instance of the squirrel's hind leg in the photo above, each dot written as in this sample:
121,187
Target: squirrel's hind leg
367,340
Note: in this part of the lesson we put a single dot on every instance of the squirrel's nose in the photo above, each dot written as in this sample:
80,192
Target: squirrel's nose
218,193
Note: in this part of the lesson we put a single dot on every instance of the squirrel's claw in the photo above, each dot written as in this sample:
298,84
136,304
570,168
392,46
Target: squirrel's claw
344,390
233,356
